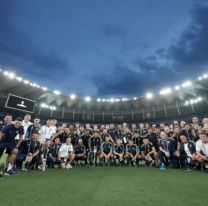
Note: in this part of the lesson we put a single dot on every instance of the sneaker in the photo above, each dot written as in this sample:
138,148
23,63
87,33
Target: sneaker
9,173
162,166
68,166
187,169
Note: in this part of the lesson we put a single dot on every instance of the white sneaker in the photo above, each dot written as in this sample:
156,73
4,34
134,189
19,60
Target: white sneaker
68,166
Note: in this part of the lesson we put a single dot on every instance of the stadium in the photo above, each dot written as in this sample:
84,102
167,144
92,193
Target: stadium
74,134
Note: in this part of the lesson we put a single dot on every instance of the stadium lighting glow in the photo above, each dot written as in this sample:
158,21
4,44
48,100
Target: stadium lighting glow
124,99
44,105
187,84
177,87
73,96
44,88
149,95
26,82
205,76
6,73
98,100
11,75
56,92
166,91
200,78
193,101
117,100
87,99
19,79
199,99
112,100
135,98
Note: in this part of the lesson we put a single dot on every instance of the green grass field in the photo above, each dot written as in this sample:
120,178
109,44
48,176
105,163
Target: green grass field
105,186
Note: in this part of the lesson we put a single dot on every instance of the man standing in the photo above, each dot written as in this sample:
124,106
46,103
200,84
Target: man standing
46,132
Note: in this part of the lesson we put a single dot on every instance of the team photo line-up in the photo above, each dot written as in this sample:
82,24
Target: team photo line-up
30,146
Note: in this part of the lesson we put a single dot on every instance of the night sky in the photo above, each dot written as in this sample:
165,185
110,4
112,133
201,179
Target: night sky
111,48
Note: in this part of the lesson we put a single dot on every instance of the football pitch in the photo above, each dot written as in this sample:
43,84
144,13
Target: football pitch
85,186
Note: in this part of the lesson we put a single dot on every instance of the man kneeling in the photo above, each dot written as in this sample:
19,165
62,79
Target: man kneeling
66,155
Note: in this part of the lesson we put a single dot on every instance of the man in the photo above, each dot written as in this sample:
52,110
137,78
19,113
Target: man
7,120
148,152
80,152
53,125
188,132
187,153
127,135
44,154
46,132
66,155
112,132
63,134
53,153
8,142
33,128
106,151
29,151
26,122
118,152
202,150
94,148
143,132
132,153
166,152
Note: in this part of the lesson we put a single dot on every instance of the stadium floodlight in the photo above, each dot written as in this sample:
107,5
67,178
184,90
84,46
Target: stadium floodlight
44,88
199,99
56,92
200,78
112,100
6,73
191,101
26,82
19,79
177,87
124,99
52,107
205,76
43,105
186,103
187,84
135,98
11,75
149,95
87,99
166,91
98,100
73,96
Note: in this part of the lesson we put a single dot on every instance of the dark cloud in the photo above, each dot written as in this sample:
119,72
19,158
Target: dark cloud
125,81
192,47
18,51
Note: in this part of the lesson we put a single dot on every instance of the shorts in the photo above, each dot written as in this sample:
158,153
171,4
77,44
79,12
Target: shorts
8,146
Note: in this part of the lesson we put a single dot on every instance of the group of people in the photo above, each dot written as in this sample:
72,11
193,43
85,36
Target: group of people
31,146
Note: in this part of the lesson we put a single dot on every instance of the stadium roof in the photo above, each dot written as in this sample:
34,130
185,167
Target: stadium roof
186,100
